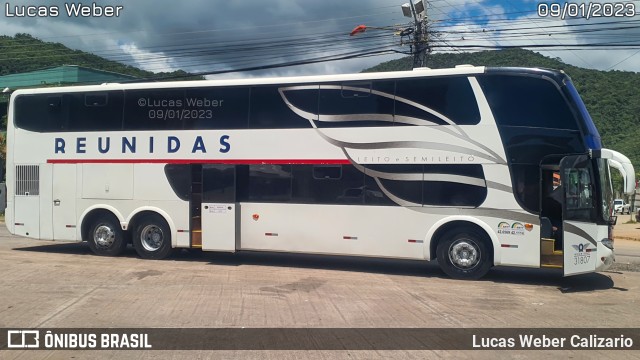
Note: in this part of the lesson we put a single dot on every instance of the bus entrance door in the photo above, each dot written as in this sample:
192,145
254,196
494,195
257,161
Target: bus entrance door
580,246
218,209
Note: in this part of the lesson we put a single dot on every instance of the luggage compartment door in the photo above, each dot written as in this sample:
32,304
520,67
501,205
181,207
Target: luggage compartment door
219,211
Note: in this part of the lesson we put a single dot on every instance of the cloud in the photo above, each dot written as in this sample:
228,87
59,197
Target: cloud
147,60
204,35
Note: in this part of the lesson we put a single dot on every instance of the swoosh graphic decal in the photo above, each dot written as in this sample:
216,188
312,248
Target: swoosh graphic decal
468,180
499,187
311,117
392,97
408,145
578,231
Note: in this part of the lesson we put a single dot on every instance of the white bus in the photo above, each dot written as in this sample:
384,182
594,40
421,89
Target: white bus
471,166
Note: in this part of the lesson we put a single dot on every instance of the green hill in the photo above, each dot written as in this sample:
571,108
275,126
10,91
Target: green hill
611,97
23,53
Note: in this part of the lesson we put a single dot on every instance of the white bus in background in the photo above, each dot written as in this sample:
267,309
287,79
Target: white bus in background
471,166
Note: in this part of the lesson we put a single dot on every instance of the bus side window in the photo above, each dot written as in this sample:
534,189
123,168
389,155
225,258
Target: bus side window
356,104
154,109
94,111
324,172
216,108
269,111
40,113
451,96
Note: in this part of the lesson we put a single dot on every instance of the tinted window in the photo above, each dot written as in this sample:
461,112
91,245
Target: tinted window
216,108
373,195
311,189
218,183
92,111
195,108
324,172
269,183
441,193
269,110
530,145
526,186
427,184
357,104
406,189
527,101
578,184
154,109
452,191
452,97
179,176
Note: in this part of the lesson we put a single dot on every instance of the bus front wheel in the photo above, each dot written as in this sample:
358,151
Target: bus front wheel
152,238
464,255
106,237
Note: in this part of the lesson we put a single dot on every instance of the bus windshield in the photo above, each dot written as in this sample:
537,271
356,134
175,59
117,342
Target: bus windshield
592,137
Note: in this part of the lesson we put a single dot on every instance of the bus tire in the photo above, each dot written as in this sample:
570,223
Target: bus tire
152,237
464,254
106,237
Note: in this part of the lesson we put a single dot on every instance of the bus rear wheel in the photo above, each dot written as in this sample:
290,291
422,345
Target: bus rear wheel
106,237
464,255
152,238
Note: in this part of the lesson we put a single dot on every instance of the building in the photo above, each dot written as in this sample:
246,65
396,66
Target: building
61,75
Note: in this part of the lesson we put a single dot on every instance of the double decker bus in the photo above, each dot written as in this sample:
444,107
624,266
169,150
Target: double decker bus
472,166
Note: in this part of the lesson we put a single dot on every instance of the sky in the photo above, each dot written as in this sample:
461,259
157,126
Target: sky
203,36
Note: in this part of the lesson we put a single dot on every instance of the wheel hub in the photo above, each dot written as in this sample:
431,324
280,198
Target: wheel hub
151,238
464,254
104,236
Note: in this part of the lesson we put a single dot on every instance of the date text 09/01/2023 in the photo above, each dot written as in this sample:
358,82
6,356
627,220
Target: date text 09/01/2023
586,10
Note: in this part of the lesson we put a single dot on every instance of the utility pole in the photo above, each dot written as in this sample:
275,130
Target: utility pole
420,43
419,33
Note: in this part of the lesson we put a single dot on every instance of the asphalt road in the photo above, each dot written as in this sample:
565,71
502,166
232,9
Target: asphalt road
46,284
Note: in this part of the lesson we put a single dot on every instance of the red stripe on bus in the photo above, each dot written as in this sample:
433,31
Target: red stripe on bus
203,161
271,234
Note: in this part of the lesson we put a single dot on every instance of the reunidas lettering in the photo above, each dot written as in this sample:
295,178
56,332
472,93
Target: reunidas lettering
105,145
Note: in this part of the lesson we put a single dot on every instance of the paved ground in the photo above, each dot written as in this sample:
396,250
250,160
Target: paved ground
628,231
45,284
627,246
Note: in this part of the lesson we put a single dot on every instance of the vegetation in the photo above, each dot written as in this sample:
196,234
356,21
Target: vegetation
610,96
23,53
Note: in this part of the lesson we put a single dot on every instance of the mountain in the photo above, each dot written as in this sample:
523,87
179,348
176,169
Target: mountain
23,53
611,97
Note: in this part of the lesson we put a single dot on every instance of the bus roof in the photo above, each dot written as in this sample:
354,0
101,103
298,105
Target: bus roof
419,72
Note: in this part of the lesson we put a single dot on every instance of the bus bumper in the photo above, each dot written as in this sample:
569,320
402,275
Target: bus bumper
606,257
